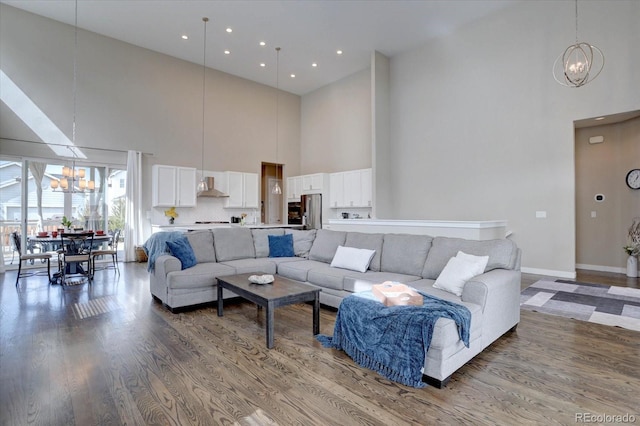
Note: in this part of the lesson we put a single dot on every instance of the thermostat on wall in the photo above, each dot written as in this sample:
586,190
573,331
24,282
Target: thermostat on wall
599,198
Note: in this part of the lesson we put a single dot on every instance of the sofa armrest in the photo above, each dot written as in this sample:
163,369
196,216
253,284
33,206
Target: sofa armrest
165,264
498,292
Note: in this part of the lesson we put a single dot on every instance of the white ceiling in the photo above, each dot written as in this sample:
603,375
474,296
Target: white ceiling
307,31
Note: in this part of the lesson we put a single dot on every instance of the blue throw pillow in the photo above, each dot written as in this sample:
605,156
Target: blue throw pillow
281,245
183,251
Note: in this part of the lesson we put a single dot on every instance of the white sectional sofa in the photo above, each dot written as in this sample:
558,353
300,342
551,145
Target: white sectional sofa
416,260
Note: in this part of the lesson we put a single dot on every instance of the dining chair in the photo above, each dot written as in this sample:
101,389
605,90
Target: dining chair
31,257
112,251
75,258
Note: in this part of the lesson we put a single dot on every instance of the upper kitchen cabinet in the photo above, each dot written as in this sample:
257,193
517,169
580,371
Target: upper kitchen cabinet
351,189
315,183
243,190
294,188
173,186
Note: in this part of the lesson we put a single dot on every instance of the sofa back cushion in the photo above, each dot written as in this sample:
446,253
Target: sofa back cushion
363,240
405,253
502,253
233,243
302,241
202,244
261,240
325,245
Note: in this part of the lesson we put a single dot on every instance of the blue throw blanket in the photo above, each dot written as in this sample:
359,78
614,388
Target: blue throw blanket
156,245
392,340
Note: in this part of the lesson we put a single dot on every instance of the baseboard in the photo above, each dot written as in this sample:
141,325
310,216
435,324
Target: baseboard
601,268
549,272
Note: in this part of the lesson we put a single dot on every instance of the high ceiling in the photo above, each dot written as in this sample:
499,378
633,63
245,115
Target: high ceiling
308,31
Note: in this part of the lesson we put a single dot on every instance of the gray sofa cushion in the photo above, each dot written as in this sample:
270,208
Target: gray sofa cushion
325,245
327,277
302,241
233,243
298,270
261,240
405,253
202,245
262,265
362,282
502,253
199,276
367,241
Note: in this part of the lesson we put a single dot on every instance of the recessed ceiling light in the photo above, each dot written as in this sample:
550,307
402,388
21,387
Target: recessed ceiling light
293,76
185,37
229,30
314,65
339,52
262,43
227,52
262,64
599,118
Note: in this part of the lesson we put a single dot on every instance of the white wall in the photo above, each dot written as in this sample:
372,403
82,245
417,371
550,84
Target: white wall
336,126
482,131
133,98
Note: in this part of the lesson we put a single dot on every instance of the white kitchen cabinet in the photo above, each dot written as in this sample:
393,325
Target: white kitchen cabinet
314,183
350,189
173,186
294,188
336,189
242,189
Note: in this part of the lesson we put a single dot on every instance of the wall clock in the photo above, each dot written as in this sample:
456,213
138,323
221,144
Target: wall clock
633,179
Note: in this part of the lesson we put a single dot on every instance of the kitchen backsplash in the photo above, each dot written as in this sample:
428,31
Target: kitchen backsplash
207,209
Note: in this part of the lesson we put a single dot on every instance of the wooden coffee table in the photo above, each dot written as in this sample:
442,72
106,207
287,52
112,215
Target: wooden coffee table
281,292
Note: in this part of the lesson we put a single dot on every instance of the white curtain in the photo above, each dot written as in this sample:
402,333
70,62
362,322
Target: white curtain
37,171
133,223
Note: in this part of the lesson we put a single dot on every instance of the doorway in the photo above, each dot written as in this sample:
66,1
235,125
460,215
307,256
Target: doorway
272,205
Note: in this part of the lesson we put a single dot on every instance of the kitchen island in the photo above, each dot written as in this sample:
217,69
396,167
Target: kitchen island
184,227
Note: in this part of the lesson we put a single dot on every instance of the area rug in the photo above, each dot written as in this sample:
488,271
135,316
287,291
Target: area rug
602,304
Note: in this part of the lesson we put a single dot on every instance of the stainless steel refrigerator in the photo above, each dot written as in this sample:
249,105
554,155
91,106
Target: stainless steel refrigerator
311,206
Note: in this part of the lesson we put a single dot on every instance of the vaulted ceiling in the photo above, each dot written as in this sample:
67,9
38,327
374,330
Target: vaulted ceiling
309,32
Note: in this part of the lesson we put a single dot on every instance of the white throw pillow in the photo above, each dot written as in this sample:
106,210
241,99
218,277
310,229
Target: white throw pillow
352,258
480,261
455,275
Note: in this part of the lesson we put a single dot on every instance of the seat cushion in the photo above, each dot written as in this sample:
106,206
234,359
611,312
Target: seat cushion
233,243
325,276
262,265
200,275
298,270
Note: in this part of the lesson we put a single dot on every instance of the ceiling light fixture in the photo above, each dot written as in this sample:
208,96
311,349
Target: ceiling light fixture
277,190
293,76
227,52
579,64
185,37
73,180
229,30
202,185
339,52
262,43
314,65
262,64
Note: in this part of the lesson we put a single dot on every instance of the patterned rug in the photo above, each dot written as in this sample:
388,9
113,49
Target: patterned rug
602,304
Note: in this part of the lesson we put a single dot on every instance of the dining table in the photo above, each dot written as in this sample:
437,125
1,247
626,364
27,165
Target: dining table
51,243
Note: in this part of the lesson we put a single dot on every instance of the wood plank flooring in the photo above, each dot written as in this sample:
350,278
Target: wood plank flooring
127,360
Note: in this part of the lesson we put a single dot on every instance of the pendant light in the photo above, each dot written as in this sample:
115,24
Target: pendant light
277,190
202,185
579,64
73,180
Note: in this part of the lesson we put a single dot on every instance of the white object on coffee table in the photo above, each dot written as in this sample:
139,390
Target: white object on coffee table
261,279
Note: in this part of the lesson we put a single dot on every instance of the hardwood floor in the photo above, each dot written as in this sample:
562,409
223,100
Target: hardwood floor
108,354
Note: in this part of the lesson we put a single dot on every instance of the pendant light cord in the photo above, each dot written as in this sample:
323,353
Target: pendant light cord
277,106
75,73
204,72
576,21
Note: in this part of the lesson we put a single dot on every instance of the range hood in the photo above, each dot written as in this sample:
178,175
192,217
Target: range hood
211,192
